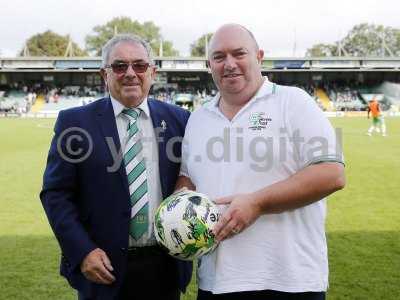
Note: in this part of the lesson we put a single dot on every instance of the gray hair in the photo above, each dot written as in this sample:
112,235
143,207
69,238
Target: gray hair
127,38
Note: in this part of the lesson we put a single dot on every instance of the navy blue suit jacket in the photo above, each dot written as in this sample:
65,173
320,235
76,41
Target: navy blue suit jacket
86,202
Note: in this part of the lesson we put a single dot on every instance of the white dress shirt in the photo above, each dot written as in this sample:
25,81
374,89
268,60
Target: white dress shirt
150,155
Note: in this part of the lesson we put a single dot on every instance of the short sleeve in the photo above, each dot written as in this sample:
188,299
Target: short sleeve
185,154
311,133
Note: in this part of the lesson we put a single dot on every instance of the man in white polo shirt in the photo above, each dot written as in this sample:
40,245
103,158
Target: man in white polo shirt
269,156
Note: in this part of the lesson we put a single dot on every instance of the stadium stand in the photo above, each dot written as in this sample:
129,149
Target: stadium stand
346,99
14,101
331,96
336,83
391,92
323,99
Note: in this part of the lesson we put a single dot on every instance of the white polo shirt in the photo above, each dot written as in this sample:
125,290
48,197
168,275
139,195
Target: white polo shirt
277,133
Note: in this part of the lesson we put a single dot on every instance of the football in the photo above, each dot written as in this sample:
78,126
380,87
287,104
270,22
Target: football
183,224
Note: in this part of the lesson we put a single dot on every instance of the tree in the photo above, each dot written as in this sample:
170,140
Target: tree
363,40
168,49
148,30
49,43
372,40
198,47
322,50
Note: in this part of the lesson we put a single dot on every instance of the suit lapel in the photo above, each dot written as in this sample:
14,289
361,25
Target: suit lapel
161,137
106,121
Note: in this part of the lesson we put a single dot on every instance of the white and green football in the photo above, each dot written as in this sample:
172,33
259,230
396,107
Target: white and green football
183,224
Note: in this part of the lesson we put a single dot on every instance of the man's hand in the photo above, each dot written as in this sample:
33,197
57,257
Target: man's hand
182,189
241,213
96,267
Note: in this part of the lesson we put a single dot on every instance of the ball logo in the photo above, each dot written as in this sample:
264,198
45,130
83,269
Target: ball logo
214,217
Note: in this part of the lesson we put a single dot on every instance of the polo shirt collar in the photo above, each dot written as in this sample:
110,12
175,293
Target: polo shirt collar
266,89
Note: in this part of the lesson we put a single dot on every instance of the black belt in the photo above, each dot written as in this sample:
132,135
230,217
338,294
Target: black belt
145,251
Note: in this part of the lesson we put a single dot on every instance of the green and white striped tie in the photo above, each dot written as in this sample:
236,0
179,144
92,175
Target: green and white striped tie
137,181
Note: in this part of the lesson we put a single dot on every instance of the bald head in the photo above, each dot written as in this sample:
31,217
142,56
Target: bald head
235,62
236,31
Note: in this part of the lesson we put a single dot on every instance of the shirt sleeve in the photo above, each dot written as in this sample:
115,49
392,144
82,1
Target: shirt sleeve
311,133
185,153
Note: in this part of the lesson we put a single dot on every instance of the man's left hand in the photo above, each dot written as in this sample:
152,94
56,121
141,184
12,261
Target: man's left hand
241,213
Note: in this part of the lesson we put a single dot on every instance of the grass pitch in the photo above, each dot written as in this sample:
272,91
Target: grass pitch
363,224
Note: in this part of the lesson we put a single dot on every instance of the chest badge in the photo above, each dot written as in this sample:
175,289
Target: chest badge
258,121
163,125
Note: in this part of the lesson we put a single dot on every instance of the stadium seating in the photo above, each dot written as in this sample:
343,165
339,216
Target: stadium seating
330,96
346,98
65,102
323,99
13,101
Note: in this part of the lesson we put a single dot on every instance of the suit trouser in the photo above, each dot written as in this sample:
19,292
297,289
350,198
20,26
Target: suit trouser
151,274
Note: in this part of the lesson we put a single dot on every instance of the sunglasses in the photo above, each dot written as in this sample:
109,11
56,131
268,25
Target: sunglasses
122,67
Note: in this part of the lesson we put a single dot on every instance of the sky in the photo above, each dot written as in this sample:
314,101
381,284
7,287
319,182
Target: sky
283,28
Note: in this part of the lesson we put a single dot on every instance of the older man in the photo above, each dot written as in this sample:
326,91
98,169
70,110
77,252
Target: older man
109,166
270,156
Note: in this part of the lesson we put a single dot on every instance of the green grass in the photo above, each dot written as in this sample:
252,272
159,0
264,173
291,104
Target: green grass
363,220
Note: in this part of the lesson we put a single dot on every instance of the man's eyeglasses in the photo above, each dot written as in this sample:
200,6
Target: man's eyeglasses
122,67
